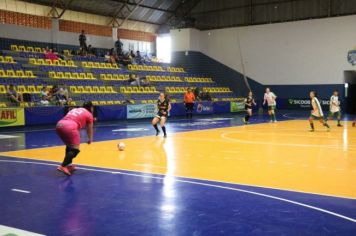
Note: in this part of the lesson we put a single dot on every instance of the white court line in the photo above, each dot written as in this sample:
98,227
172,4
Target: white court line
204,184
20,190
6,230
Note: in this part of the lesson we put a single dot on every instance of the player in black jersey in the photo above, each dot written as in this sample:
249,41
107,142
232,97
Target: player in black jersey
163,108
249,103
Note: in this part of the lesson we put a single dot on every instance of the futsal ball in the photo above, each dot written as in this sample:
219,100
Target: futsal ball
121,146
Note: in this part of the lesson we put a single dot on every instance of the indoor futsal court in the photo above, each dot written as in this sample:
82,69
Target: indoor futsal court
177,117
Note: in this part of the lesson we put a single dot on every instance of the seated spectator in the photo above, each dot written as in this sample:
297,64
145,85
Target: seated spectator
52,93
44,93
50,55
44,101
107,57
66,93
14,97
60,97
134,80
144,82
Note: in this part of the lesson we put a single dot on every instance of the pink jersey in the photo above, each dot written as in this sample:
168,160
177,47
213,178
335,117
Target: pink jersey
81,116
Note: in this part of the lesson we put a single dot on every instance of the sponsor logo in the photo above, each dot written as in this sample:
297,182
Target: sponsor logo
203,108
8,116
306,102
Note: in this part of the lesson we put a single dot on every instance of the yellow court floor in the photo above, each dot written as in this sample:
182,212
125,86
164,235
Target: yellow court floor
282,155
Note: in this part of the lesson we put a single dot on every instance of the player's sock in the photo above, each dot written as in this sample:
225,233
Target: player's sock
247,117
156,128
164,131
274,116
70,155
338,122
326,125
311,126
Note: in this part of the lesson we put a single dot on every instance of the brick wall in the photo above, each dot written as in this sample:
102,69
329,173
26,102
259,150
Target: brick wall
136,35
9,17
77,27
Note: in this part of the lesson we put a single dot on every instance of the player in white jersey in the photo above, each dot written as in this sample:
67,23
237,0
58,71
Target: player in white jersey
270,98
335,108
317,112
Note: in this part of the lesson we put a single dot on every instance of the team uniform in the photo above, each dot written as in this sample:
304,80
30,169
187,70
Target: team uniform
317,113
335,108
68,128
271,102
249,102
162,109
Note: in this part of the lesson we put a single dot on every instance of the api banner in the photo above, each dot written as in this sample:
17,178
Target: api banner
140,111
237,106
204,108
12,117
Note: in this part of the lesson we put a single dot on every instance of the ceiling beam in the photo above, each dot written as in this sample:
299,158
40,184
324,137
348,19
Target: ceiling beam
245,6
145,6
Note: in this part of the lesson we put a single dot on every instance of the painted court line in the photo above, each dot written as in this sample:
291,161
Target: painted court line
207,185
20,190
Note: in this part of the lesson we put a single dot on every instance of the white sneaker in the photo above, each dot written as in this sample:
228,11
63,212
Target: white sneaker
275,121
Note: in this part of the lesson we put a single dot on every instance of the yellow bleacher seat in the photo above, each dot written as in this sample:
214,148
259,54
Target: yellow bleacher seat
129,67
106,65
82,76
31,89
103,76
102,102
80,89
30,49
9,59
95,102
41,61
38,50
75,75
52,74
72,103
56,63
110,102
95,89
110,89
117,102
63,63
60,75
135,90
29,74
33,61
115,77
3,104
22,48
90,64
68,75
88,89
48,62
102,89
10,73
90,76
115,66
2,89
129,90
73,89
123,90
20,74
21,89
109,77
71,63
14,48
2,59
3,73
97,65
140,67
84,64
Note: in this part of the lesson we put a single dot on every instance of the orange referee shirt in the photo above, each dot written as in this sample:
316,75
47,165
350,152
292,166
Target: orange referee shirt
189,97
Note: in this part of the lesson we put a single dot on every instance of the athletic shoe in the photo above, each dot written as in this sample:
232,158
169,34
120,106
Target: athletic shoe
353,124
157,133
311,130
244,120
271,121
64,169
275,121
339,125
165,136
72,168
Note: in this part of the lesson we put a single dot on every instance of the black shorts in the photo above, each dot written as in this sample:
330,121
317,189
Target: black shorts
160,115
247,107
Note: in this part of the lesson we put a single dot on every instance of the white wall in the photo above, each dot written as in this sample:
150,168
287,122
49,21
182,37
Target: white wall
302,52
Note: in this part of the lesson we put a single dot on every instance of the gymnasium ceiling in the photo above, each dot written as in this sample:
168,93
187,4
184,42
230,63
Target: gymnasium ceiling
207,14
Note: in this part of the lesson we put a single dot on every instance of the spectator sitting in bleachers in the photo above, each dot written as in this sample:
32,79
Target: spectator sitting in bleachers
52,93
60,97
134,80
44,96
66,93
50,55
107,57
14,97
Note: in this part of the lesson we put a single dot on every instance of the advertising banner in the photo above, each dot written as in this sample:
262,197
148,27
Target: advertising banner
237,106
141,111
12,117
298,103
204,108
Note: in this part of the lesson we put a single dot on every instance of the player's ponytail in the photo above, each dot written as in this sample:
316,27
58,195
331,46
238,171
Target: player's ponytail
88,105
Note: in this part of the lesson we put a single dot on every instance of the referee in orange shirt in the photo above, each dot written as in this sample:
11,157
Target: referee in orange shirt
189,99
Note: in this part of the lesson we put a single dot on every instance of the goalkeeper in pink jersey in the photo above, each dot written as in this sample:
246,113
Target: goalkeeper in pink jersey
68,130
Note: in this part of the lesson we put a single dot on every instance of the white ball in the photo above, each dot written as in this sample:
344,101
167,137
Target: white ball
121,146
